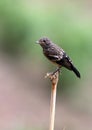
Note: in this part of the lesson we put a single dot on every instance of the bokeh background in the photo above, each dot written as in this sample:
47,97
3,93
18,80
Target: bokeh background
24,92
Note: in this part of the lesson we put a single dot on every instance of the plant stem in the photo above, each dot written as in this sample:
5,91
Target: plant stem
54,82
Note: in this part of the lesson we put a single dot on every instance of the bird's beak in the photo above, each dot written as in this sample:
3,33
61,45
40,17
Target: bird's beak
37,42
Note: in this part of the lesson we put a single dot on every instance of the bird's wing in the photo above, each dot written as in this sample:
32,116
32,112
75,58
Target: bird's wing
67,58
54,55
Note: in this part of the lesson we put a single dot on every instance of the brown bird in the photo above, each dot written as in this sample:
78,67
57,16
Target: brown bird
57,55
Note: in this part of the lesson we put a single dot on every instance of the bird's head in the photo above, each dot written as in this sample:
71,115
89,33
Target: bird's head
44,42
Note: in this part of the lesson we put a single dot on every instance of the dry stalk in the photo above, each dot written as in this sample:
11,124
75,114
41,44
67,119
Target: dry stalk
54,81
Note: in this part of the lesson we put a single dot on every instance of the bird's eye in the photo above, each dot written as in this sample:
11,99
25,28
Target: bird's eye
43,40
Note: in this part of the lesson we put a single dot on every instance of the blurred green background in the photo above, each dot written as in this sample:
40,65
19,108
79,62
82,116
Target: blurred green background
67,23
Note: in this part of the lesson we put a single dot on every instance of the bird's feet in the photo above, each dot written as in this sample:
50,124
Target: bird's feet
53,77
53,73
57,70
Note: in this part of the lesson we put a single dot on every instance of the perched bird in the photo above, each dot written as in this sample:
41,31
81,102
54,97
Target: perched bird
57,55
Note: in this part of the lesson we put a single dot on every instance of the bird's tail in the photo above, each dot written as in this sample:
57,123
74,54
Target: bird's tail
76,71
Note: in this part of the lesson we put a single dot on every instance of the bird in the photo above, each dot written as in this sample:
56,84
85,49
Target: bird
57,55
